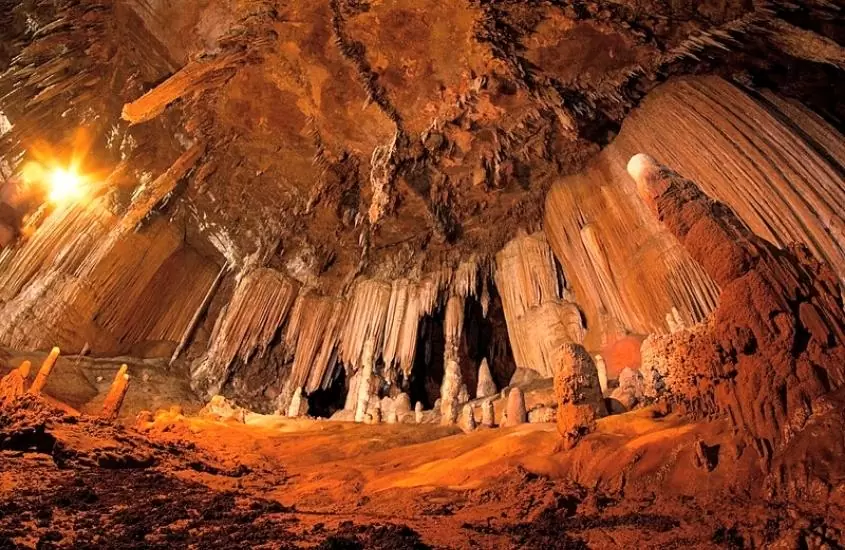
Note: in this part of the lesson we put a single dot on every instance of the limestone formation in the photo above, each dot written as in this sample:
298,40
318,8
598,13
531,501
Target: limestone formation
776,342
418,413
44,372
402,404
542,415
463,395
539,319
220,408
467,422
392,416
486,384
578,393
450,390
772,161
516,413
298,405
630,391
13,385
601,369
117,393
488,414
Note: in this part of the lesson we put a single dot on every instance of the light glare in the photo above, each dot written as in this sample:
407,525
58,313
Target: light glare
65,185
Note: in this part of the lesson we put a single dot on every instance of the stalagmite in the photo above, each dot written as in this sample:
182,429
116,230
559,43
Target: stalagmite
488,414
774,163
418,412
116,395
776,342
467,423
392,417
44,372
364,390
451,386
486,385
578,394
13,385
601,369
198,314
402,404
516,412
298,405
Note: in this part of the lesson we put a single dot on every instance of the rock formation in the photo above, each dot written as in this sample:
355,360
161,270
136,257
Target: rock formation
776,342
44,372
117,393
467,422
486,384
418,413
578,393
488,414
515,413
13,385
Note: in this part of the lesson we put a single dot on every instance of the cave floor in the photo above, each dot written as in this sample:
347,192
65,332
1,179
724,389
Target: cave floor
76,482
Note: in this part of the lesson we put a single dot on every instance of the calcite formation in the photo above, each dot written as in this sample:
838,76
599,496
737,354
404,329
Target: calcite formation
44,372
117,393
515,413
578,394
339,207
486,384
13,385
776,342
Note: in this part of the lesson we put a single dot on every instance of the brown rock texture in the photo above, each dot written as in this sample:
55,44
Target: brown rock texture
776,342
578,394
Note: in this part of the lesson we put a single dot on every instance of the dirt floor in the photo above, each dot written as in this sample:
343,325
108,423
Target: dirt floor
71,481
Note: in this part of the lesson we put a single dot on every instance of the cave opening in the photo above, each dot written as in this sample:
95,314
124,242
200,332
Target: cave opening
427,372
324,402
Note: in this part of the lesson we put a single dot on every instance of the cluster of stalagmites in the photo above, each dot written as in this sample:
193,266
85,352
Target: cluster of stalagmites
16,384
776,342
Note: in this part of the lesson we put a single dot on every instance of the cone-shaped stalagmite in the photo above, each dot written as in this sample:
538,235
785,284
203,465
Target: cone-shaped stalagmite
486,386
44,372
114,399
13,385
418,412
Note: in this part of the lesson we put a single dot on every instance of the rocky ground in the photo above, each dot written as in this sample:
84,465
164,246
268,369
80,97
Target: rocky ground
70,481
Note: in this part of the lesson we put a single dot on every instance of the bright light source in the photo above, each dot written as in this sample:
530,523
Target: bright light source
65,185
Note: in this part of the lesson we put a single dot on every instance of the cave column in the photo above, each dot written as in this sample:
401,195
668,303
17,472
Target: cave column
366,377
451,387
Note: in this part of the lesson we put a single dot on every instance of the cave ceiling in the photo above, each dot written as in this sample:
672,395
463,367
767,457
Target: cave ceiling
351,137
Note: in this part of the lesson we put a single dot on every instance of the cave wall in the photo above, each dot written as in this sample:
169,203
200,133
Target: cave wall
777,165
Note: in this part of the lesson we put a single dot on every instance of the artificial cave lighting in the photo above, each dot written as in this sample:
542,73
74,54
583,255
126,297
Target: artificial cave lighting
65,185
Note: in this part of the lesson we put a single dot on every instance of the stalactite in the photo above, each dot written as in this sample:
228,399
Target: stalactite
311,337
539,320
778,166
193,78
147,197
365,320
248,325
66,236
